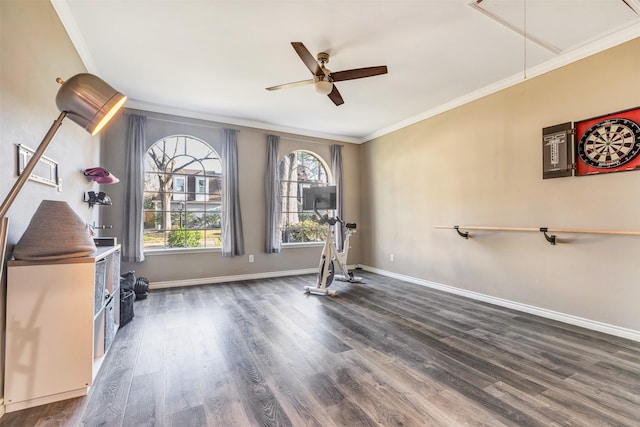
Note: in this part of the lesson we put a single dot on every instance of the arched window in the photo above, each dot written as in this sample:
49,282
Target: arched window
297,170
182,194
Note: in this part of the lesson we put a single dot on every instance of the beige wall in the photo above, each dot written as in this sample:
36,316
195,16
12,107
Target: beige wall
481,164
34,50
194,265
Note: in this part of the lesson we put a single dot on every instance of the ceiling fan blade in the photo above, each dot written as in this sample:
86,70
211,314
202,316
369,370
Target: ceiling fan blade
358,73
335,96
293,84
307,58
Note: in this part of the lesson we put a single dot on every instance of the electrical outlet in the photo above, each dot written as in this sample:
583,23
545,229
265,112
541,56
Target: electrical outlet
251,259
391,257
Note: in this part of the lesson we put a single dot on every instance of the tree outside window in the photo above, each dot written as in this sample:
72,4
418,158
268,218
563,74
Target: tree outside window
298,170
182,194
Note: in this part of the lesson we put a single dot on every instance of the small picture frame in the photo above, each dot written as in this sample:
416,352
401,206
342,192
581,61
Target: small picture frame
557,149
45,172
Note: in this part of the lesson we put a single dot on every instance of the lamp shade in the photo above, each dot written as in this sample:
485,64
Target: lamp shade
88,101
56,231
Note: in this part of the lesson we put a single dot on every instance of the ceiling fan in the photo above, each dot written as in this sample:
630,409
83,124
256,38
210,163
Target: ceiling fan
323,78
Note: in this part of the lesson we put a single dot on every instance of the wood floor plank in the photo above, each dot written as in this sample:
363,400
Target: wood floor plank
61,414
383,352
275,368
384,400
190,417
485,365
109,394
259,400
606,400
462,411
545,413
583,410
145,406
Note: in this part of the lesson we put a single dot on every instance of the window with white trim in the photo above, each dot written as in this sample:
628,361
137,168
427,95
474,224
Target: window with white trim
182,194
297,170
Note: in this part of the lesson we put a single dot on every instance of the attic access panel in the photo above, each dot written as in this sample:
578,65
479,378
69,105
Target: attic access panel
561,25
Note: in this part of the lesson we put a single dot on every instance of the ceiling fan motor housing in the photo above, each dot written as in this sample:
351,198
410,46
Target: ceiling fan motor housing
323,57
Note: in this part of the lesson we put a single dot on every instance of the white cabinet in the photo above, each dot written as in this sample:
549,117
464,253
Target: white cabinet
61,318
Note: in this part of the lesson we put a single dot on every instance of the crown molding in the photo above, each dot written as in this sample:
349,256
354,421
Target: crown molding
592,48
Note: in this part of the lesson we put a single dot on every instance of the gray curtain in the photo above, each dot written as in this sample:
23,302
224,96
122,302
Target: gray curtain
232,239
132,245
336,171
272,196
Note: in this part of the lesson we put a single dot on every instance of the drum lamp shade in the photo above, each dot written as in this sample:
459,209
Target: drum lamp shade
88,101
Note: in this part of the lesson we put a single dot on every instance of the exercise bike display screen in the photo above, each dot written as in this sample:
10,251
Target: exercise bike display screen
319,198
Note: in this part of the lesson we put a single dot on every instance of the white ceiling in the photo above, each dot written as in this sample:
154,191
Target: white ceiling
213,59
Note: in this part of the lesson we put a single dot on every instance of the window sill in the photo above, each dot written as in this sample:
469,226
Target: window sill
303,245
186,251
179,251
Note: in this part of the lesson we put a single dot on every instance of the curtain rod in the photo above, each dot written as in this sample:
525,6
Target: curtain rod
303,140
126,113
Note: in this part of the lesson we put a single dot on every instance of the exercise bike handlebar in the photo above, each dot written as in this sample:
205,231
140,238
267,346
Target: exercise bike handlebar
323,219
326,219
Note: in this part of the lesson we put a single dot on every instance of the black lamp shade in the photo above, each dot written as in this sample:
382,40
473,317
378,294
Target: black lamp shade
89,101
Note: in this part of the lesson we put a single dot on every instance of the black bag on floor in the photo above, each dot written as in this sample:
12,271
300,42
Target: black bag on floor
127,281
126,306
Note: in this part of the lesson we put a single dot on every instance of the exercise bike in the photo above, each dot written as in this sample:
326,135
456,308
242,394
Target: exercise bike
331,256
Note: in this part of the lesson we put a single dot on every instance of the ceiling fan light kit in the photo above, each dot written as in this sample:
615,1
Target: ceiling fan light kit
323,79
323,87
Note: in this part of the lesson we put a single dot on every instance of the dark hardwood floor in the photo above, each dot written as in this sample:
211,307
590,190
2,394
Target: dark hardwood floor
384,352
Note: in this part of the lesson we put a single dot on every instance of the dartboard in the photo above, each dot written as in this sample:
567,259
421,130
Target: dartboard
610,143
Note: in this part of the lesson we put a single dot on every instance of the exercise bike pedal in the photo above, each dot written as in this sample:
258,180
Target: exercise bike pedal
349,278
319,291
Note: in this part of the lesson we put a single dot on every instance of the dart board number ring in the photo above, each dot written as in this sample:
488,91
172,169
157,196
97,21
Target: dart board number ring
610,143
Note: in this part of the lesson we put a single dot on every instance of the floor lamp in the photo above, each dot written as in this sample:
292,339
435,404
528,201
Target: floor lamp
85,99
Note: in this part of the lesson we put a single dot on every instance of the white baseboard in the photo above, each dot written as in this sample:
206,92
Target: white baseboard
236,278
542,312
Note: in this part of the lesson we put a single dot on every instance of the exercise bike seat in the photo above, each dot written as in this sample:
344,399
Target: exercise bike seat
350,225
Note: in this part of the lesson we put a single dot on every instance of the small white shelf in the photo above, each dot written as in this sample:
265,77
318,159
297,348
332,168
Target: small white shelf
55,340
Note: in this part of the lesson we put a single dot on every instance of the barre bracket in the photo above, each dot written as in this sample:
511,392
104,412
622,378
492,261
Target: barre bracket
464,234
550,238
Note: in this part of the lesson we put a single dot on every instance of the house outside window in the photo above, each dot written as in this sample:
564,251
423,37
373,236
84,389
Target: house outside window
182,194
298,170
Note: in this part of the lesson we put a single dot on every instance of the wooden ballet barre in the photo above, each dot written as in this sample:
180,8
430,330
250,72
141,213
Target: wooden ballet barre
550,238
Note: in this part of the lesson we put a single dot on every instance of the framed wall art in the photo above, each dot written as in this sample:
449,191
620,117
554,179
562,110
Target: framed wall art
46,170
608,143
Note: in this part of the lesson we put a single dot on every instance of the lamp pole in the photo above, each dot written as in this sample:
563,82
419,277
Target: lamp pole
91,103
26,173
